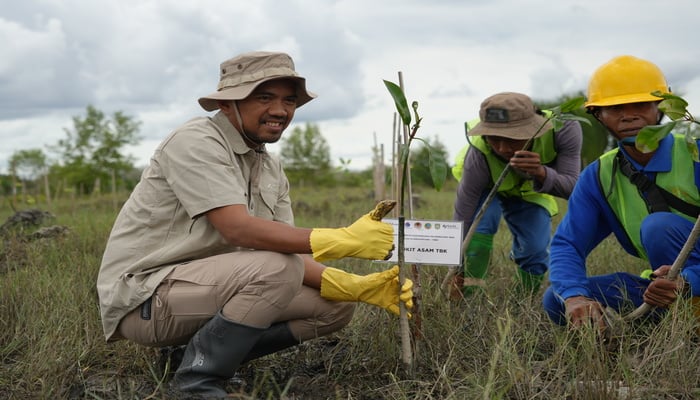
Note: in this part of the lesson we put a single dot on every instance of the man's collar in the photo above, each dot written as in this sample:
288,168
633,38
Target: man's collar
238,145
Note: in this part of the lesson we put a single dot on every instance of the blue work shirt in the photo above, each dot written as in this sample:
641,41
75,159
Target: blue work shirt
589,219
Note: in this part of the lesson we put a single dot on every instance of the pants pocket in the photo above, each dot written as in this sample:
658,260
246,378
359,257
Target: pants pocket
181,310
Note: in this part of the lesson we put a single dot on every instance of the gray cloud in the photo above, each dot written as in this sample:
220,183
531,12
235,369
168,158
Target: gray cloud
153,59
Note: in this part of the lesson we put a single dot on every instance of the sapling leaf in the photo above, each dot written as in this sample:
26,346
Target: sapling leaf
425,142
400,101
438,171
559,113
658,93
437,166
572,104
574,117
557,124
674,109
648,137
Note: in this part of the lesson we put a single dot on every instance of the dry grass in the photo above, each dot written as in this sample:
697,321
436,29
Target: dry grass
494,346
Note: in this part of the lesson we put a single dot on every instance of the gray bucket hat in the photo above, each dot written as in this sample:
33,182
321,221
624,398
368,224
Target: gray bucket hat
511,115
240,75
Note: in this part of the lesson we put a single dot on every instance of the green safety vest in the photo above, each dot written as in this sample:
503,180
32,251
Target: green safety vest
459,162
626,202
514,185
459,158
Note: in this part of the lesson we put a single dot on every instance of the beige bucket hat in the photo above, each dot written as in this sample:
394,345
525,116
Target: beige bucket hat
511,115
240,75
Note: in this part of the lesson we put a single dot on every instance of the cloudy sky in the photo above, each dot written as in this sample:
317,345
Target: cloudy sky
152,59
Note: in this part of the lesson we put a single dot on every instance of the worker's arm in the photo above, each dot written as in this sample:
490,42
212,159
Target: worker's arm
242,229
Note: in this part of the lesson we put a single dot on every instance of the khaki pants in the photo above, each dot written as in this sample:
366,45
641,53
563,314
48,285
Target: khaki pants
253,288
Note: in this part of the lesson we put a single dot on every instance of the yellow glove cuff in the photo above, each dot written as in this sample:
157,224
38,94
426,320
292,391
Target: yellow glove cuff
334,283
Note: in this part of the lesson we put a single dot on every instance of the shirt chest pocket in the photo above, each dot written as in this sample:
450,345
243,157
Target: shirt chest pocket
269,194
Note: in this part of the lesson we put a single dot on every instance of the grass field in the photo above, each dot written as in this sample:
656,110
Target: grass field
493,346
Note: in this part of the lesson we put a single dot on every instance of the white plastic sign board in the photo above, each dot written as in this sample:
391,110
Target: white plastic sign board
429,241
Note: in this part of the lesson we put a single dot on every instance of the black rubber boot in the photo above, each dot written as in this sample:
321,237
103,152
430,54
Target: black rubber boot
213,355
275,338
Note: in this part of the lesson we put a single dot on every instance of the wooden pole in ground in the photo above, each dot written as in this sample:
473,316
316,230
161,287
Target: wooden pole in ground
379,171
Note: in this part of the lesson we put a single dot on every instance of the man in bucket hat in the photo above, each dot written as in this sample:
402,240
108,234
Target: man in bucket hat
547,167
205,253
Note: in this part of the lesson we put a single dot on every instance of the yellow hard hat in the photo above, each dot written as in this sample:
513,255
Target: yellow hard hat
623,80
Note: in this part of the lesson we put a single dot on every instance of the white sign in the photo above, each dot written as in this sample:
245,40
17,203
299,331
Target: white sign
429,242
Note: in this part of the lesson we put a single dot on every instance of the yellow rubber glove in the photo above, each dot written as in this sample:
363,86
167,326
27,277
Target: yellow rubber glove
380,289
365,238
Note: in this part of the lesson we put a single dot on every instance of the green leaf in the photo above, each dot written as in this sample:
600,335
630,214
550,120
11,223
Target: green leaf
425,142
554,111
572,104
674,106
574,117
658,93
557,124
692,144
400,101
675,109
648,137
438,171
436,165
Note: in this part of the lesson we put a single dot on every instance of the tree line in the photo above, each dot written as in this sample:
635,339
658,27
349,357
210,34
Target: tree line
89,159
92,158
